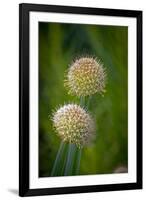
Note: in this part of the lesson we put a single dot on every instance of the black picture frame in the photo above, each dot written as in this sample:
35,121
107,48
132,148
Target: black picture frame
24,10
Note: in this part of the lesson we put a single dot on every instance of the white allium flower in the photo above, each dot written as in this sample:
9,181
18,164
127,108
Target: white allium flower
74,125
85,76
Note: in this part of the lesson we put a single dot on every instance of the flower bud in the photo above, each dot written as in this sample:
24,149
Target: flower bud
74,125
85,77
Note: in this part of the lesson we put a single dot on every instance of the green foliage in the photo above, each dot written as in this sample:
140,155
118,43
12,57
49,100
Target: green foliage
59,45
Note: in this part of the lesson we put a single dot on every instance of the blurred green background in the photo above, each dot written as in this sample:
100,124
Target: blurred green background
59,45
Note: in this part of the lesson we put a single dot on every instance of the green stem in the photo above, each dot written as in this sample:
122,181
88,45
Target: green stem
78,159
56,165
70,159
64,161
88,102
82,101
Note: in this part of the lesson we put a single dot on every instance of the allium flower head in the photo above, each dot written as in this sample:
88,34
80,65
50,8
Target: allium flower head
74,125
85,76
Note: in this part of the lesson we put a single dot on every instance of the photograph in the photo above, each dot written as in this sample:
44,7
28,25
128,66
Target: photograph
80,111
83,99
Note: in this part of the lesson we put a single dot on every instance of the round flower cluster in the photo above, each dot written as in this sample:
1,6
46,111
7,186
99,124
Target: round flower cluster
85,77
74,125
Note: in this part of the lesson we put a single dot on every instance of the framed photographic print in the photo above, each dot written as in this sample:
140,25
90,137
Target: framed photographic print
80,100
